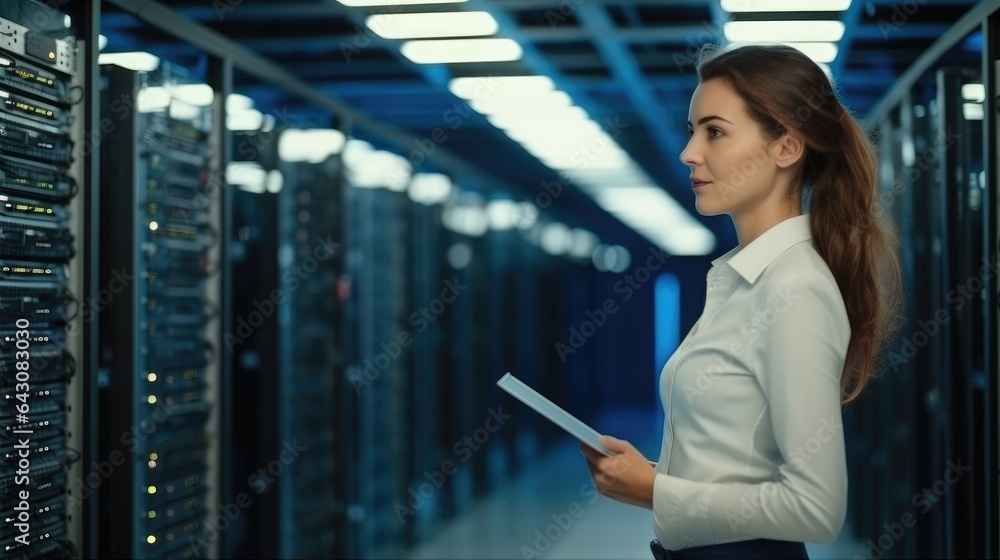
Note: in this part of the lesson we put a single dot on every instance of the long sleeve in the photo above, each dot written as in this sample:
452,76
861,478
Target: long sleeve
801,354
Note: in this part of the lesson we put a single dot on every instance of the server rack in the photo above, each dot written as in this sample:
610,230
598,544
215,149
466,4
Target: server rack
531,323
256,365
466,375
286,356
961,165
430,448
500,301
158,336
37,65
310,356
377,333
932,411
928,296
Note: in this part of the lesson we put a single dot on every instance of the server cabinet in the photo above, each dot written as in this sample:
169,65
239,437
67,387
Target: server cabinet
310,357
285,348
37,64
378,336
430,448
159,335
531,323
256,368
501,356
466,374
960,97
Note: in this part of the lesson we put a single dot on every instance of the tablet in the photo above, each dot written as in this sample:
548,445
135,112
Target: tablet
550,410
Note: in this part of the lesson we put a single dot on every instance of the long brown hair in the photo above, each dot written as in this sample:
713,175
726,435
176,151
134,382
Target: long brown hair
785,90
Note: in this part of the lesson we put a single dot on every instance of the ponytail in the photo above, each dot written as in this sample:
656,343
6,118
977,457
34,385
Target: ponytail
783,89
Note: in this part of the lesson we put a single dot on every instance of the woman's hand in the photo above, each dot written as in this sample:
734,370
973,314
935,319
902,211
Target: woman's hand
627,476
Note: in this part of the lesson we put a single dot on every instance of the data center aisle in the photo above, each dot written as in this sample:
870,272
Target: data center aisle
521,519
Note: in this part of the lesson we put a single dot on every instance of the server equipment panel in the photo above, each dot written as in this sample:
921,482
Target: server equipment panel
162,358
37,64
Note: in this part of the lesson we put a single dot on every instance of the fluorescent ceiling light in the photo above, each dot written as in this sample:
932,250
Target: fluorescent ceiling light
502,213
584,244
527,215
647,204
275,180
783,31
137,61
785,5
606,160
447,51
199,95
468,217
819,52
513,119
247,175
972,111
611,258
246,119
477,87
313,145
363,3
503,101
974,92
152,99
238,102
429,188
369,168
183,111
431,25
578,134
695,240
556,239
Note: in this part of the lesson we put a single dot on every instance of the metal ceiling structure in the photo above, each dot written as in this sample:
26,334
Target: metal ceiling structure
629,64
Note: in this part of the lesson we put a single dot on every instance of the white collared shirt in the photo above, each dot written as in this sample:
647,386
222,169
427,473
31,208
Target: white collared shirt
753,443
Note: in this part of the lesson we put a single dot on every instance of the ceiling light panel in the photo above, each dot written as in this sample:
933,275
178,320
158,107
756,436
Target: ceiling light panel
783,31
785,5
452,51
365,3
432,25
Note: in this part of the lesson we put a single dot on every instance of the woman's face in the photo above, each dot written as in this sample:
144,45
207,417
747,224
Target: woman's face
726,150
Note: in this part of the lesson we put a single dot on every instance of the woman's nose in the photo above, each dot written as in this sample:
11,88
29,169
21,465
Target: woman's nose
689,155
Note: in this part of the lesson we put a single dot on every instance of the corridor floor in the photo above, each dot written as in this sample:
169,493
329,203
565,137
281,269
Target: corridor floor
552,511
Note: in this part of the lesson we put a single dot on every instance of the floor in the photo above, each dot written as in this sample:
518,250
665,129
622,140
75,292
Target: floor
553,512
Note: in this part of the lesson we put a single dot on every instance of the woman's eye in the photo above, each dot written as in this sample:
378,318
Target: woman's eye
712,130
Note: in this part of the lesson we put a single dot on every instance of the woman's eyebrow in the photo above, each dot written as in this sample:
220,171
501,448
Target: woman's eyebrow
708,118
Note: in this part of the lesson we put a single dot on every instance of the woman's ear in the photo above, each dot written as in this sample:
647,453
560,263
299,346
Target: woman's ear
791,148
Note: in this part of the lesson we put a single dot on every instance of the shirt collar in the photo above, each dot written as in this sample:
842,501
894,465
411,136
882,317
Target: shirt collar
750,261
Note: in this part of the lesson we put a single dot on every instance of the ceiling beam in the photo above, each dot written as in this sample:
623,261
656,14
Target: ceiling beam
972,20
517,5
682,34
626,70
850,19
215,44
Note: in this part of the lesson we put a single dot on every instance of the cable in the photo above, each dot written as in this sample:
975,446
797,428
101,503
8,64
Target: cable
82,95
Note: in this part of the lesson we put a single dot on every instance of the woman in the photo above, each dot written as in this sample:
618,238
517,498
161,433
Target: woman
752,463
